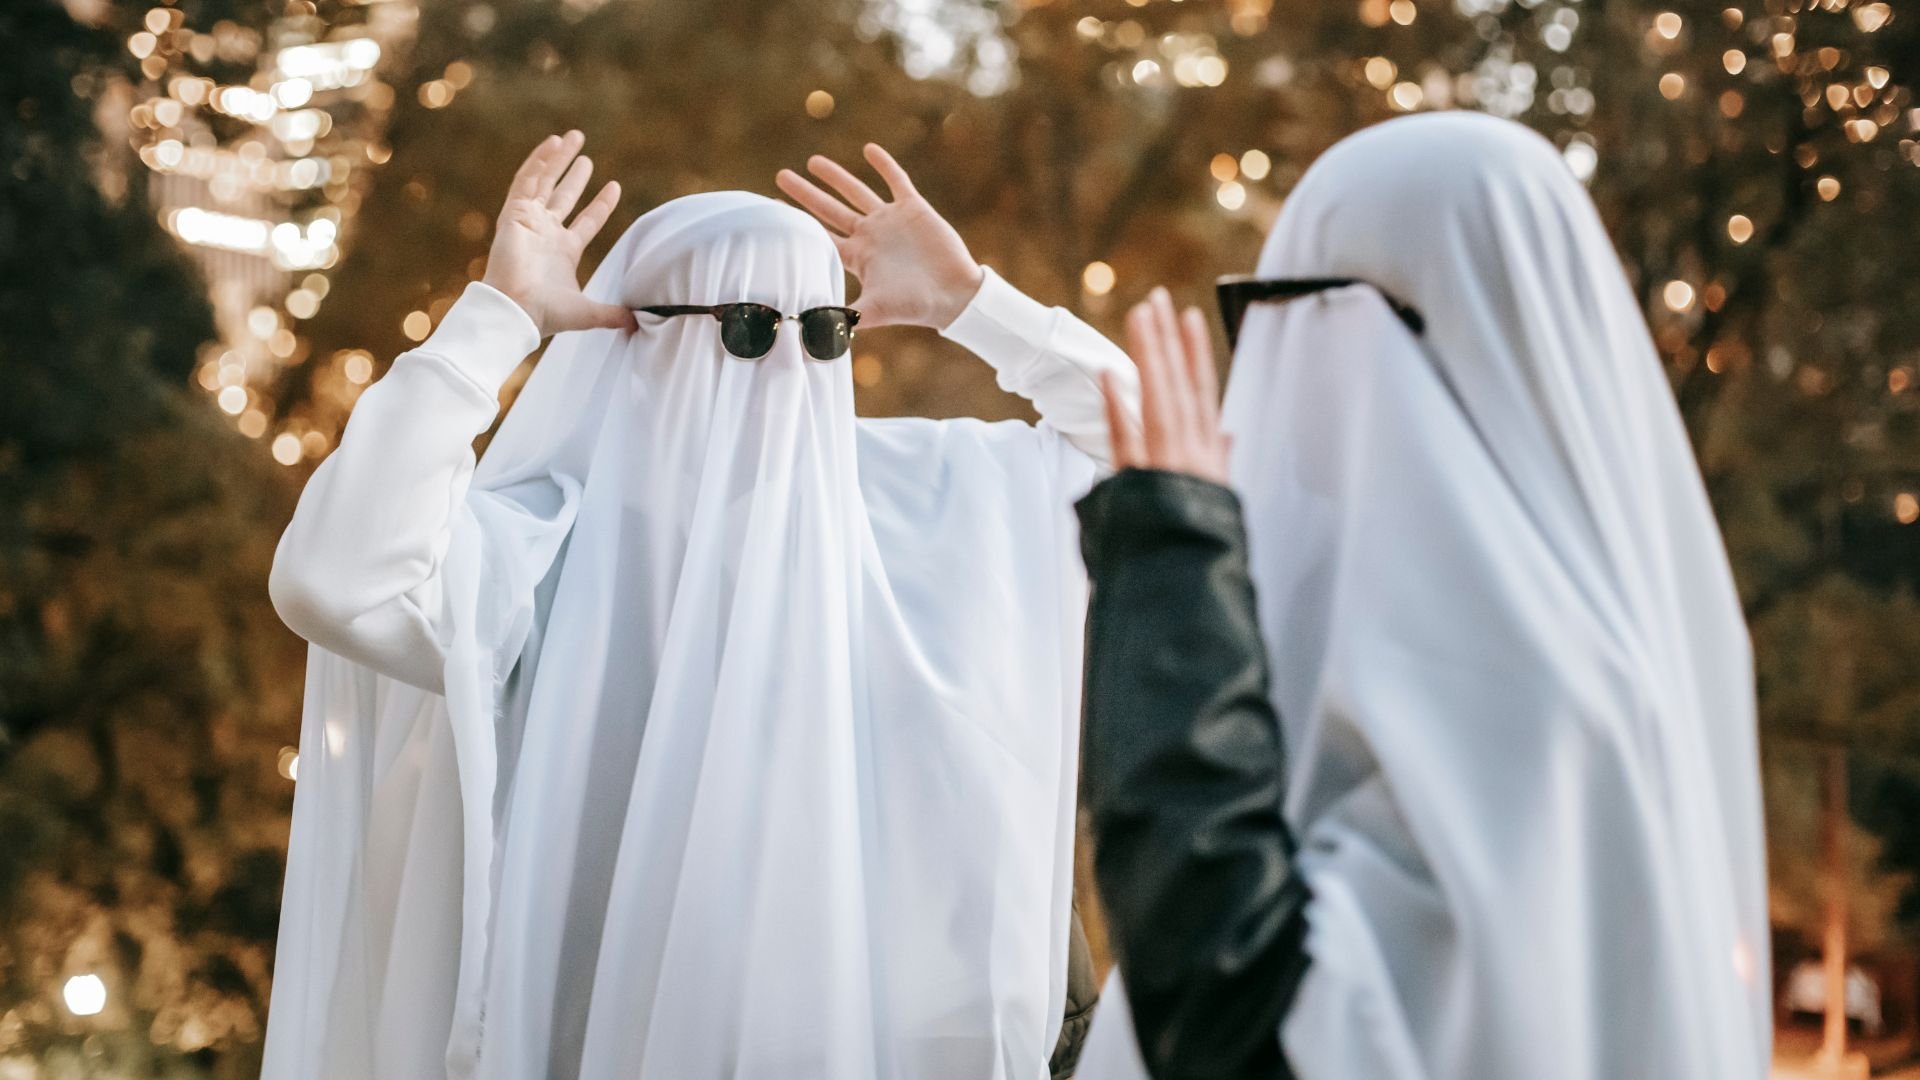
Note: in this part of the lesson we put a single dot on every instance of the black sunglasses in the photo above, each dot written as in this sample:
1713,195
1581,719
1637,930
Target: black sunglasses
747,330
1240,292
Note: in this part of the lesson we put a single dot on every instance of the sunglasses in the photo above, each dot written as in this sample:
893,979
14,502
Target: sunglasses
748,330
1239,292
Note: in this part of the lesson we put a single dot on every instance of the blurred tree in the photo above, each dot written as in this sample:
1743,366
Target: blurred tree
144,685
1753,160
1750,159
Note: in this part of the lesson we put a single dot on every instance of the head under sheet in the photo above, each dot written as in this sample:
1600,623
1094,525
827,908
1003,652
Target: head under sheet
1508,651
1507,654
816,785
766,716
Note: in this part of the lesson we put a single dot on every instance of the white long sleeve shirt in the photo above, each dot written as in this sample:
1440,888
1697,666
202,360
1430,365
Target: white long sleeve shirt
355,572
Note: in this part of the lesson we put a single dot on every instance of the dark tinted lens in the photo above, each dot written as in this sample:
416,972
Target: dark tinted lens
747,330
826,332
1233,308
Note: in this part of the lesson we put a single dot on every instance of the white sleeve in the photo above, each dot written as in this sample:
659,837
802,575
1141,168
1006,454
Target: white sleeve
357,571
1048,356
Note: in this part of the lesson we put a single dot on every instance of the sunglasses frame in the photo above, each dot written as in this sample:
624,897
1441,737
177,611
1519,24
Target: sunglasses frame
1238,292
719,313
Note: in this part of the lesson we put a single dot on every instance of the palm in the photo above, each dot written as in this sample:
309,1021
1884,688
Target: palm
894,248
535,257
912,266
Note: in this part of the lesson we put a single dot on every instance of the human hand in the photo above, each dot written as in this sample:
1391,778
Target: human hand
1179,395
912,266
535,257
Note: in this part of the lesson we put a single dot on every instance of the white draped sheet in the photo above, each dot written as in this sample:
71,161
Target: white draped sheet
703,731
1507,653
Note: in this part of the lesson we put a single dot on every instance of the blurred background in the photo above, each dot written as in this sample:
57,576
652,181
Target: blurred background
221,219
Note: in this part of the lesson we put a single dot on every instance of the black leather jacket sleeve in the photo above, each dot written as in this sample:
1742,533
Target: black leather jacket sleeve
1184,776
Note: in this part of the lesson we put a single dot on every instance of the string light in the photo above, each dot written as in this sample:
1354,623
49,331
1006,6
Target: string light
310,118
1678,296
85,995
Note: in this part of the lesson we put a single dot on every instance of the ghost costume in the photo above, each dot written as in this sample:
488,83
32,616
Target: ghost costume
1506,653
702,731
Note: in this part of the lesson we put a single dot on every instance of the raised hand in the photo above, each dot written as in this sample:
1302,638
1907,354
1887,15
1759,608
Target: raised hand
1179,395
536,255
912,266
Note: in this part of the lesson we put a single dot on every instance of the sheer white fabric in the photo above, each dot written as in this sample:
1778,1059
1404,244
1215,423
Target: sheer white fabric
754,750
1507,652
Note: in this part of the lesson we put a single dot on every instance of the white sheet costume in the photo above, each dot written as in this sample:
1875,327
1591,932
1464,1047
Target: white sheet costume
703,731
1507,654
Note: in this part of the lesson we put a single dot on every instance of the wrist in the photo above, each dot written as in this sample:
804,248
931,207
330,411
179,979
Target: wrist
955,298
519,296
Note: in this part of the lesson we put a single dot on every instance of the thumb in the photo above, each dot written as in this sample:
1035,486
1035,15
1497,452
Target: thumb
610,316
871,314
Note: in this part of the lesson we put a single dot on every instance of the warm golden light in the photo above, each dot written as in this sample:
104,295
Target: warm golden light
1672,85
1678,296
1668,24
286,448
867,370
1828,187
1254,164
417,325
86,995
1402,12
1098,278
1871,17
1406,96
1381,71
1739,228
1906,507
1224,167
1232,195
819,104
1735,61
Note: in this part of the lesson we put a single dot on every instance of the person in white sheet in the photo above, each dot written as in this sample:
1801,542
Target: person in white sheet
1505,696
702,731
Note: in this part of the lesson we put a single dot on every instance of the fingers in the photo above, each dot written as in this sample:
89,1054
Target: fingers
851,188
588,224
831,212
1145,345
1201,375
567,192
1122,436
526,179
1178,384
899,184
557,161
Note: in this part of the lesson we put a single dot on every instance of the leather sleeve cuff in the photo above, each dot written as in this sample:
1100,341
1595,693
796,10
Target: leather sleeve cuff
1141,511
